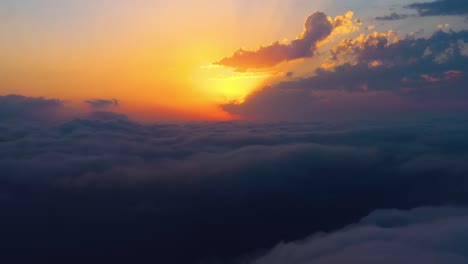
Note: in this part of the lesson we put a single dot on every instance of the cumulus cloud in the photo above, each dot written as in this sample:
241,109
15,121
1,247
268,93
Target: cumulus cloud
378,72
102,103
422,235
215,191
316,28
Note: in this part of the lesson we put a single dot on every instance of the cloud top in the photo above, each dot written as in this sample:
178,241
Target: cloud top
317,27
18,108
212,190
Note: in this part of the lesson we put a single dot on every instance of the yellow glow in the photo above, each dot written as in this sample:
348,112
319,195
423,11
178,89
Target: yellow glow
147,54
225,85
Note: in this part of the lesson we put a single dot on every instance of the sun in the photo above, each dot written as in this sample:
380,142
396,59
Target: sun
224,84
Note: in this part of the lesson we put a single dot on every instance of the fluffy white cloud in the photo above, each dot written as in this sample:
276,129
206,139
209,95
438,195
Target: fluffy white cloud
423,235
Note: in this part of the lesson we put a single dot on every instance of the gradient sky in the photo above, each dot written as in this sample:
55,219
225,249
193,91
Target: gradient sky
156,57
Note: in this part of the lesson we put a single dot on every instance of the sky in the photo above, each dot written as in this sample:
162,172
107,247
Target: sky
234,132
159,58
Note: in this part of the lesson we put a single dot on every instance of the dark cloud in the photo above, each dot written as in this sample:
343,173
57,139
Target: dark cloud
102,103
436,8
105,189
393,16
20,108
441,8
316,28
380,72
423,235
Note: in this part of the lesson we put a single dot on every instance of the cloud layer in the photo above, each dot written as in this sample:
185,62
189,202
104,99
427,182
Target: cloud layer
107,189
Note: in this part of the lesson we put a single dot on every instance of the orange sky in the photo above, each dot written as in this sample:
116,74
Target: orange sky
148,54
155,57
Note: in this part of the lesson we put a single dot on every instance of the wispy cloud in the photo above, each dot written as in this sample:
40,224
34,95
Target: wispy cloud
393,16
102,103
441,8
435,8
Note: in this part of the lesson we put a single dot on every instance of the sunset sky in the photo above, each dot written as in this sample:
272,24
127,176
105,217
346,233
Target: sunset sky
158,58
234,131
